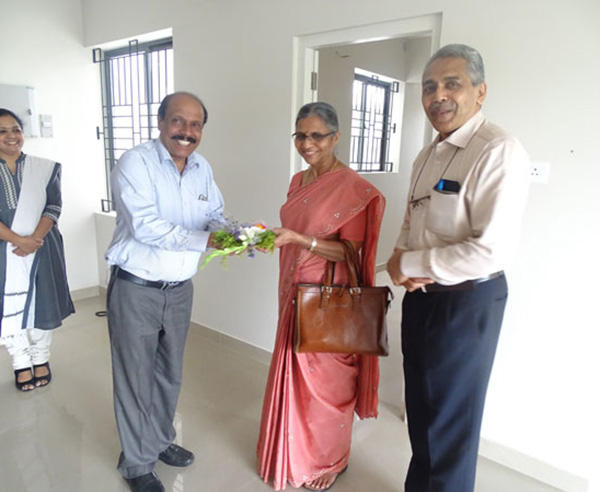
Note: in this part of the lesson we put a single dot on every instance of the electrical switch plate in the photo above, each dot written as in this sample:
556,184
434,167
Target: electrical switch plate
46,125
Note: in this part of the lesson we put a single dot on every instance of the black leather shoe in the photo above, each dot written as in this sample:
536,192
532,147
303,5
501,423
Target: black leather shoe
145,483
176,456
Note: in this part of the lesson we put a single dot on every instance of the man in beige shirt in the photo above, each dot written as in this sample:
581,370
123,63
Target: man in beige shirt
466,199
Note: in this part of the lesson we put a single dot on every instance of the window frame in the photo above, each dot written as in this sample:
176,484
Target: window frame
361,144
154,81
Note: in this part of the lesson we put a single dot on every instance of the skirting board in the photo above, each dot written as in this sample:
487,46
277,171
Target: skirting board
492,451
497,453
532,467
226,341
86,293
524,464
229,342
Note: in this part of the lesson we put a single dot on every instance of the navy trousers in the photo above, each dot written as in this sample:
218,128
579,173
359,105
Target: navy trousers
449,341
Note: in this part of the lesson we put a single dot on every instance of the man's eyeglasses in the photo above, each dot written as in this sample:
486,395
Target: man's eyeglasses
315,137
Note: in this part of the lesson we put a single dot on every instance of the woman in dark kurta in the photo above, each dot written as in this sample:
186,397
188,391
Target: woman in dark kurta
34,295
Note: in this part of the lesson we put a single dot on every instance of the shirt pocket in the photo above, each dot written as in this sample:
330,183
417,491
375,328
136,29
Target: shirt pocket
202,207
442,213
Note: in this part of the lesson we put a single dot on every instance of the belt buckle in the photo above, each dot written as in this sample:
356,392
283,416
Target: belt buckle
168,285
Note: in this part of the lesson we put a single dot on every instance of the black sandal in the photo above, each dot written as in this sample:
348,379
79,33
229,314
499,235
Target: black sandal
21,384
42,380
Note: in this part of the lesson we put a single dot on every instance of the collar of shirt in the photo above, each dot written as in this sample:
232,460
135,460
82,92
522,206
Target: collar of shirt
463,135
163,154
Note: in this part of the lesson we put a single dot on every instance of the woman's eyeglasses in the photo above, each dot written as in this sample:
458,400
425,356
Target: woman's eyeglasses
315,137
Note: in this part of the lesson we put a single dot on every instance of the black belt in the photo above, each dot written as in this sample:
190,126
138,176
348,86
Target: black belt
467,285
156,284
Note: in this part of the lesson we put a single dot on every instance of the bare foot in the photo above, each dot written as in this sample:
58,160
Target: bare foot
324,482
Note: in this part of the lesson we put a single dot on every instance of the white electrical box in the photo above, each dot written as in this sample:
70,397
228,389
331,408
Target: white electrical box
46,125
21,101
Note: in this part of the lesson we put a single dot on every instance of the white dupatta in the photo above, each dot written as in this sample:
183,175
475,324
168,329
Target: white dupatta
19,285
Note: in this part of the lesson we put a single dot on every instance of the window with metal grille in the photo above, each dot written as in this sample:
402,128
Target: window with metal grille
372,125
134,79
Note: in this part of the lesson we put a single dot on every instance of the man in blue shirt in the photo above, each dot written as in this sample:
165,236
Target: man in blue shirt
165,196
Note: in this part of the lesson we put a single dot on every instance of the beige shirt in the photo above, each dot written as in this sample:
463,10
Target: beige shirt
453,236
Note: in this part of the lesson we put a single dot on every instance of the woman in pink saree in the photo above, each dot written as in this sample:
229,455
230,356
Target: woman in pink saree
310,399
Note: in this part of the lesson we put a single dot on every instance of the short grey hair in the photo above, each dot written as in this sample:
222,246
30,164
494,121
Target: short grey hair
475,69
324,111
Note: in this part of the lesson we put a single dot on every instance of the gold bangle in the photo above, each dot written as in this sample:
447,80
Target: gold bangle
313,244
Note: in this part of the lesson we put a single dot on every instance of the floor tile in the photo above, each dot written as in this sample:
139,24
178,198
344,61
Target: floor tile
63,437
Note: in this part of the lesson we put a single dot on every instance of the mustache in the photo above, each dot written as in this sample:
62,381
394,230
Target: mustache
184,138
441,106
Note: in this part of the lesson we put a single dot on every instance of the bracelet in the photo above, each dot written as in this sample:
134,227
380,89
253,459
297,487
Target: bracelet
313,245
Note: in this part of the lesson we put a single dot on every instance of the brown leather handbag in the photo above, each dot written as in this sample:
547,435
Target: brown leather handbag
347,319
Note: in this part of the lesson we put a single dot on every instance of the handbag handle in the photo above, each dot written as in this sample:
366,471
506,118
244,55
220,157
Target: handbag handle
352,261
350,255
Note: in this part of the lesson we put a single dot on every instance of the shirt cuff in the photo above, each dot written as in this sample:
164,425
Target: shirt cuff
401,243
412,264
198,241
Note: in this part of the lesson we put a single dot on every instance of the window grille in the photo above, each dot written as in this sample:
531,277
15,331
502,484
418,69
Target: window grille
134,80
371,125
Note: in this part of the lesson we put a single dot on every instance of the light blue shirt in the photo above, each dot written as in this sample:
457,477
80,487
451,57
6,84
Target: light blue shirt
162,215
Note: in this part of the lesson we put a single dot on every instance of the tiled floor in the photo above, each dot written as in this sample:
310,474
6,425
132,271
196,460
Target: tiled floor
62,438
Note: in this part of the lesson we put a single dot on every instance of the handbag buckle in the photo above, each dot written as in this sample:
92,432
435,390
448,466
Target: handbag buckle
354,290
326,291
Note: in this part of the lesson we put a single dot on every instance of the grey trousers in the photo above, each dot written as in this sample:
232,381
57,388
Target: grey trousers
148,328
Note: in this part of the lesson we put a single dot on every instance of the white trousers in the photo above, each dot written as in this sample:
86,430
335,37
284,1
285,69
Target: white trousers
29,347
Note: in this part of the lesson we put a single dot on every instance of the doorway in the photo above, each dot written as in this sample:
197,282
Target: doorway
324,70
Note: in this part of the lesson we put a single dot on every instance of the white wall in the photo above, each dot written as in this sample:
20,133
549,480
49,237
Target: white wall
42,47
542,59
336,77
393,58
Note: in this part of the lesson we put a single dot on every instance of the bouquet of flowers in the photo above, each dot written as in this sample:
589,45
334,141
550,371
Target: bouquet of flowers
234,238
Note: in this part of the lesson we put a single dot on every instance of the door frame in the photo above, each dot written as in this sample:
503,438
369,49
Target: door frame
305,58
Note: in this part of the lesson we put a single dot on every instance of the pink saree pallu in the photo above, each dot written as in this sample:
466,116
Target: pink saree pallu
310,399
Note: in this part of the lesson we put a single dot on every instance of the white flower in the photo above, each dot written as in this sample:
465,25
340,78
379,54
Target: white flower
250,233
